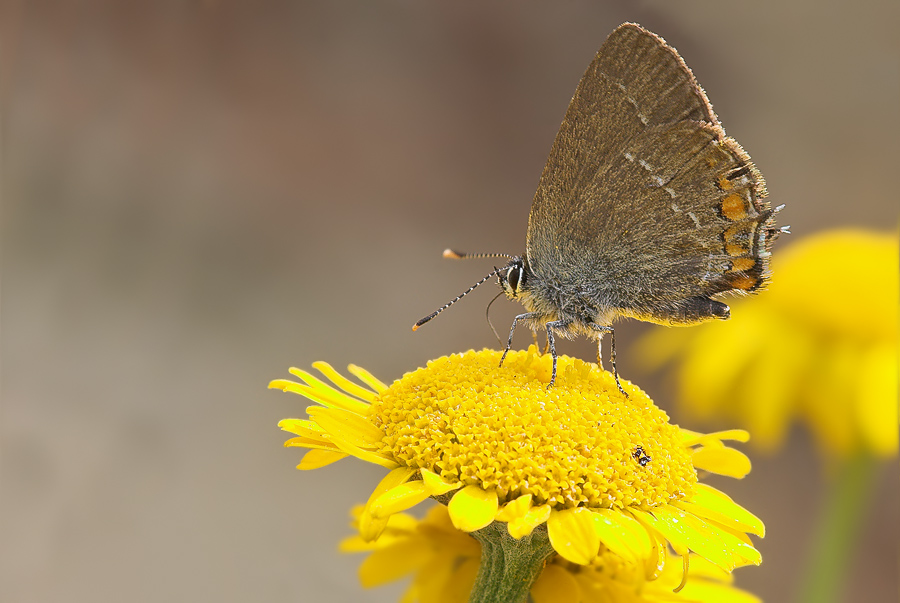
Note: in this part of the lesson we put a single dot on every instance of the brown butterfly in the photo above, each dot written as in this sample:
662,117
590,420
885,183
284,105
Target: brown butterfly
645,208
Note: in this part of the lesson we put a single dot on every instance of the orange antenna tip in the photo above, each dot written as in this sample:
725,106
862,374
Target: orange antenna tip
453,255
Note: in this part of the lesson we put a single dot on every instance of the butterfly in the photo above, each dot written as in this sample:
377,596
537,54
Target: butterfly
645,209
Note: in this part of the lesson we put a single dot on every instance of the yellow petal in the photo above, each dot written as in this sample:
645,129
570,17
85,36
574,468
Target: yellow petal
367,378
703,590
682,538
704,390
722,461
399,498
526,525
339,445
304,442
302,427
828,404
369,457
659,551
876,405
344,432
315,459
716,545
592,589
393,562
399,526
323,394
709,498
658,348
436,485
714,518
462,581
573,534
722,529
356,544
767,406
371,528
622,534
515,509
347,426
678,542
472,508
344,383
333,397
401,523
555,585
521,517
437,581
692,438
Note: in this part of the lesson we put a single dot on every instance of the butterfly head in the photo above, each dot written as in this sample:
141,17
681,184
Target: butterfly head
513,277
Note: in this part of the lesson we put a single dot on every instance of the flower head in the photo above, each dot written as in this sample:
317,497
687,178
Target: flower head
443,561
819,347
496,444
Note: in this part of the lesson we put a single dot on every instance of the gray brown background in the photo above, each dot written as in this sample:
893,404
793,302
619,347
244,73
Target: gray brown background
197,195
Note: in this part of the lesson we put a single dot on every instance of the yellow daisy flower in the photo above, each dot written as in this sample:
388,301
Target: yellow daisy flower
443,563
819,347
496,445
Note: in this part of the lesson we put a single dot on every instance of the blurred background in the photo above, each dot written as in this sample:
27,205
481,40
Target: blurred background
198,195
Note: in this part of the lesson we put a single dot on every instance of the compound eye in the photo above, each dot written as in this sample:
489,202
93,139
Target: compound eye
512,277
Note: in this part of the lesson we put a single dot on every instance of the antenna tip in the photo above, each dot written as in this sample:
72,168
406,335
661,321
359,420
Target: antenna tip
453,255
416,327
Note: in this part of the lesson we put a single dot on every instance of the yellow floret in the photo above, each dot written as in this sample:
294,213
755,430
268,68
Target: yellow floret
578,443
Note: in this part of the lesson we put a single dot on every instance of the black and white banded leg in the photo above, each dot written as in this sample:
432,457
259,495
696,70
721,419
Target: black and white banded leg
551,342
512,330
557,324
612,350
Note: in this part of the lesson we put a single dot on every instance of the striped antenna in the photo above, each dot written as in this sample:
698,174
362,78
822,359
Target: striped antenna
459,255
458,297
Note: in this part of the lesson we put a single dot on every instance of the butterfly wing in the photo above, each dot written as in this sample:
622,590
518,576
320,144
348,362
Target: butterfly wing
645,206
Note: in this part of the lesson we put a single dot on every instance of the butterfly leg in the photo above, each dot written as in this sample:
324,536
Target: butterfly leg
526,316
612,351
551,343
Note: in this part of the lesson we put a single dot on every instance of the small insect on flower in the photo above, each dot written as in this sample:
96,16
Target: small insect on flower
639,455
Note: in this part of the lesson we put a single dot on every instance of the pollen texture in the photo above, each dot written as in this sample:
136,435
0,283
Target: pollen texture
578,443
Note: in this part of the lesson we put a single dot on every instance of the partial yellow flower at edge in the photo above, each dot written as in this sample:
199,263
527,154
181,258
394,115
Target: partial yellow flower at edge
819,347
595,466
442,563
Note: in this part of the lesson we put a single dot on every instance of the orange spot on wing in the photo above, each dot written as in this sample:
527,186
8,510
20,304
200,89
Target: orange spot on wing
743,264
738,239
744,282
734,207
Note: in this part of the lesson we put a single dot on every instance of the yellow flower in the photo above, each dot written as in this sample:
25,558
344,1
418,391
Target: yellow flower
819,347
443,562
496,444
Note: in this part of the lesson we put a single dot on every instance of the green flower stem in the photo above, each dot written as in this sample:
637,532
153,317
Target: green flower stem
508,566
834,543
